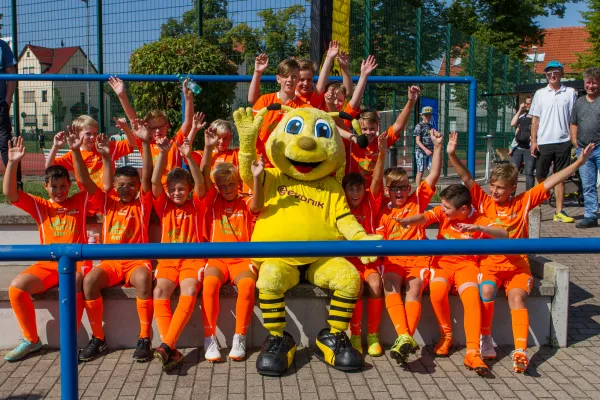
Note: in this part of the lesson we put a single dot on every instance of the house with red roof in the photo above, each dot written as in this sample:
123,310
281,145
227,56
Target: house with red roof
560,44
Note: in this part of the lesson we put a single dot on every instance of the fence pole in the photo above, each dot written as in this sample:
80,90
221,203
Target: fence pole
100,66
488,99
200,5
15,49
418,43
504,90
367,47
447,94
68,328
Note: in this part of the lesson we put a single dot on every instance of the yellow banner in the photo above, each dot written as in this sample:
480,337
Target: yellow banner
341,29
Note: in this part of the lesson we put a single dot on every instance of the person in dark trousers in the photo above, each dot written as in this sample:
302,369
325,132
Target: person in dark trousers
522,154
7,89
41,140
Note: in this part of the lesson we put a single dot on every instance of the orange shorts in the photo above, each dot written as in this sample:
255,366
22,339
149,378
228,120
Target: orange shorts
456,275
121,270
364,270
406,272
178,270
47,271
231,267
517,278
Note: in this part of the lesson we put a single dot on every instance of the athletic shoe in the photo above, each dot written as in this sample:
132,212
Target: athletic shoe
473,361
563,217
143,350
403,347
335,350
238,348
356,342
211,349
93,348
276,355
487,347
24,348
520,360
442,348
175,360
587,223
163,352
374,347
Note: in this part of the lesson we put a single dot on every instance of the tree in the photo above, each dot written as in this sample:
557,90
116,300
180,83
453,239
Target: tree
592,24
58,109
187,54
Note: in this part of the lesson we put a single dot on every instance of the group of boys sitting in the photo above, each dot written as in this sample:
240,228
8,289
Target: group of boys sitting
210,203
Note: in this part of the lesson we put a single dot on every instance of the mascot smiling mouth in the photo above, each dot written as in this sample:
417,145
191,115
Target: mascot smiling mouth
304,167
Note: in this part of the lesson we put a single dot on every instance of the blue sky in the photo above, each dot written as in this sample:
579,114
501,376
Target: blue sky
572,17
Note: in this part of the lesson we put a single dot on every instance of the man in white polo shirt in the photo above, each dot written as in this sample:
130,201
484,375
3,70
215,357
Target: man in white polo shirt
550,136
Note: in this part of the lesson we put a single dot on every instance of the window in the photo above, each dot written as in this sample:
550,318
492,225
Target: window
28,54
452,124
457,62
82,97
44,96
29,120
81,70
74,70
45,119
29,96
482,126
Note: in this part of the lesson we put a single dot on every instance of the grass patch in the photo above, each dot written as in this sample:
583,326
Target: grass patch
36,188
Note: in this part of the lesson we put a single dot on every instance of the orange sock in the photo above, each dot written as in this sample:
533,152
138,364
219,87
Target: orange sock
244,305
441,305
487,315
145,310
210,304
472,323
163,316
520,325
181,316
356,320
95,310
79,309
374,311
413,315
395,307
22,305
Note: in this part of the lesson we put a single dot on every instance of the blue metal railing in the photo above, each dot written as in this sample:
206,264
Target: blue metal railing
68,254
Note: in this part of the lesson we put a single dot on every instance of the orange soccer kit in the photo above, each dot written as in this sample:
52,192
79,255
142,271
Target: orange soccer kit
173,157
457,271
57,223
366,214
364,160
229,155
123,223
228,221
179,224
511,271
313,100
405,317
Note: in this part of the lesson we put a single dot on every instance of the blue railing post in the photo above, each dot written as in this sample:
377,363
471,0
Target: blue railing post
472,126
68,328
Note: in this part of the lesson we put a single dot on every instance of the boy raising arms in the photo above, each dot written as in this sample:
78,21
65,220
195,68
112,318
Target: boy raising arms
229,217
402,270
364,204
511,271
181,220
126,218
457,220
60,220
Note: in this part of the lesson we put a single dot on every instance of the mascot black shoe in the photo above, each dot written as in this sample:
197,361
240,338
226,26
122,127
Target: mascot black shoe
276,355
336,350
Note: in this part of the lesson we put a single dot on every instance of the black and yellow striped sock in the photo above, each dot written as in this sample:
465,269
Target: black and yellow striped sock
341,309
273,311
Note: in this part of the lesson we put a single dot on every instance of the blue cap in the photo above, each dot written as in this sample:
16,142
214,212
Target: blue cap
553,64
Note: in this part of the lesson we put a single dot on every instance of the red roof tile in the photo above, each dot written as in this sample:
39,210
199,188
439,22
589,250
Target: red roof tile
55,58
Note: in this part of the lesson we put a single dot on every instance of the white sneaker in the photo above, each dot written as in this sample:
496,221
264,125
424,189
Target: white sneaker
487,347
211,349
238,348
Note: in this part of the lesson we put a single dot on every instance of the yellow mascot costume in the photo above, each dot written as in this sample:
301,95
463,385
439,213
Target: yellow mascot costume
303,202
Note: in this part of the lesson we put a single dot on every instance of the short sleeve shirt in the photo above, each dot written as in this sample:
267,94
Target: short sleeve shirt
228,221
553,108
422,131
173,157
364,160
7,60
586,115
366,213
180,224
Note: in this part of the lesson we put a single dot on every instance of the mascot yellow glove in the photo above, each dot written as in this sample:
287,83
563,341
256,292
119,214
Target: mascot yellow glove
247,127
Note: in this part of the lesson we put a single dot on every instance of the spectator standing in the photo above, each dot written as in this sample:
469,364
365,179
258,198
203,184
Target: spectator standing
521,155
585,129
41,140
424,147
7,89
550,136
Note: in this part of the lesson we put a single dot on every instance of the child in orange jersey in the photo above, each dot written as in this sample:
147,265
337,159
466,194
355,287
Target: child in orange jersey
511,271
229,217
87,128
402,270
457,219
181,220
61,219
126,217
364,204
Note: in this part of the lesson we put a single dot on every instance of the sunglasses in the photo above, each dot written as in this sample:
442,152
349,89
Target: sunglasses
402,188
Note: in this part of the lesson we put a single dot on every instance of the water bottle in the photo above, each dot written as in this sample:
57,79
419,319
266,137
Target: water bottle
193,86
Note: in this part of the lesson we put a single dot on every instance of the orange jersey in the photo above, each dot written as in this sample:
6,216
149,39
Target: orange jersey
448,230
180,224
271,120
124,222
57,222
173,157
364,160
366,213
93,160
230,156
513,216
313,100
353,112
227,221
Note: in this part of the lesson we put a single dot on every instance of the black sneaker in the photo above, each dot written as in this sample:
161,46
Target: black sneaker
276,355
587,223
93,348
163,352
335,350
142,350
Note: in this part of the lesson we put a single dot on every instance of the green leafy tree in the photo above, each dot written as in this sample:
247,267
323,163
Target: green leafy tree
591,19
187,54
58,109
215,22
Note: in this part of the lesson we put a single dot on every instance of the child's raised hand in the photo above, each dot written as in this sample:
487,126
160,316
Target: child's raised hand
59,139
467,227
436,137
16,151
210,138
102,145
452,142
185,149
343,60
586,153
73,139
140,130
120,123
334,49
413,93
382,142
164,144
258,166
368,66
187,93
199,121
117,85
261,63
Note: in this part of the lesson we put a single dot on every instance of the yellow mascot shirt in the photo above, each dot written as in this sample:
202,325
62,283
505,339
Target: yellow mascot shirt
297,210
